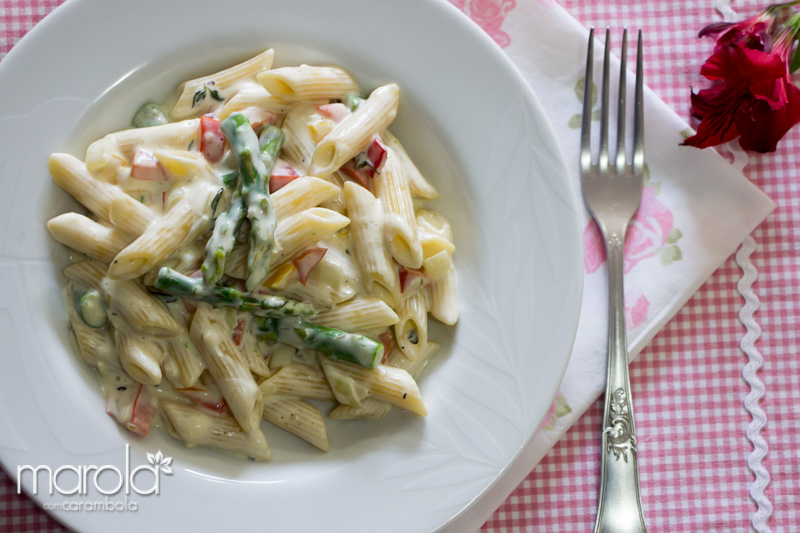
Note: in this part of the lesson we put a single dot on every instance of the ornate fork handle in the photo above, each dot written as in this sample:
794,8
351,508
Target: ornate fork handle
620,508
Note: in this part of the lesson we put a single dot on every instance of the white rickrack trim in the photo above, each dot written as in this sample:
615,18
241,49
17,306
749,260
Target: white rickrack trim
760,519
724,9
755,361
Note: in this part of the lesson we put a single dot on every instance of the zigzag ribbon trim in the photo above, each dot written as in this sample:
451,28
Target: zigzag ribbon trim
757,390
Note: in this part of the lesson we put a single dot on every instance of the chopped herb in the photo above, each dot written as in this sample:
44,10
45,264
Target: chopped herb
362,161
214,94
122,388
186,345
191,143
404,395
215,201
231,179
353,101
198,97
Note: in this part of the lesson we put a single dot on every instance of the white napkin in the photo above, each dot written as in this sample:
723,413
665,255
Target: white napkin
695,211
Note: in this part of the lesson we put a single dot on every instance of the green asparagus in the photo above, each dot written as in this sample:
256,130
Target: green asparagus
91,307
255,190
177,284
335,343
219,246
353,101
149,115
231,179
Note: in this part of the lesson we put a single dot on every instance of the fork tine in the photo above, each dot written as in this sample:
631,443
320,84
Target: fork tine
586,123
623,60
602,160
638,114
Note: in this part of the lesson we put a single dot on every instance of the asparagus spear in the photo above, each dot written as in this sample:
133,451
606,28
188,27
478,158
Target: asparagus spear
177,284
335,343
149,115
255,165
227,226
219,246
353,101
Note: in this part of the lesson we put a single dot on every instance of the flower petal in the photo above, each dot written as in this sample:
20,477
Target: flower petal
763,127
717,107
737,62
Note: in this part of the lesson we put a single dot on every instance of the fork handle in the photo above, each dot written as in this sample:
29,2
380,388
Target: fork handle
620,507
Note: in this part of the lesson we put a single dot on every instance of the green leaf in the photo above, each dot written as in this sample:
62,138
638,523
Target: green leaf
656,186
671,254
596,115
674,236
199,96
575,122
579,91
562,408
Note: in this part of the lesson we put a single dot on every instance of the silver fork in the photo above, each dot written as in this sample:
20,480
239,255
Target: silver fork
612,191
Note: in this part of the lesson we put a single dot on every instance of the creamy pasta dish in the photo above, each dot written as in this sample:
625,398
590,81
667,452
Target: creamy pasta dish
255,246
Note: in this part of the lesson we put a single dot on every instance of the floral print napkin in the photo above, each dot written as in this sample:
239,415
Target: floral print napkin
696,209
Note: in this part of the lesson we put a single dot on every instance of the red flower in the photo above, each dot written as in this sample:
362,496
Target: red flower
752,33
752,96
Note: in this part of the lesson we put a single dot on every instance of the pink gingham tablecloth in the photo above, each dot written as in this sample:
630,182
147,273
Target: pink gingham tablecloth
687,384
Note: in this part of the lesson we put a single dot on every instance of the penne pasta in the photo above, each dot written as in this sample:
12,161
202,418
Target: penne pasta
227,366
95,345
289,171
354,133
374,260
182,364
444,298
158,242
308,83
252,95
71,174
358,315
298,417
304,126
435,224
302,194
436,265
199,427
114,152
400,225
411,329
198,96
299,381
87,236
373,409
351,384
140,309
419,186
305,229
87,273
139,356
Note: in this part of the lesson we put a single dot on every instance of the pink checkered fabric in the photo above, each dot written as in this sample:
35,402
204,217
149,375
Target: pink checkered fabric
687,384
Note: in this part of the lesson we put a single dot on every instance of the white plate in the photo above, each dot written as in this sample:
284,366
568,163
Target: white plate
476,130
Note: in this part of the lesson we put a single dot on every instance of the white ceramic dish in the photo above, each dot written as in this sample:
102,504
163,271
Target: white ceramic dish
475,129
